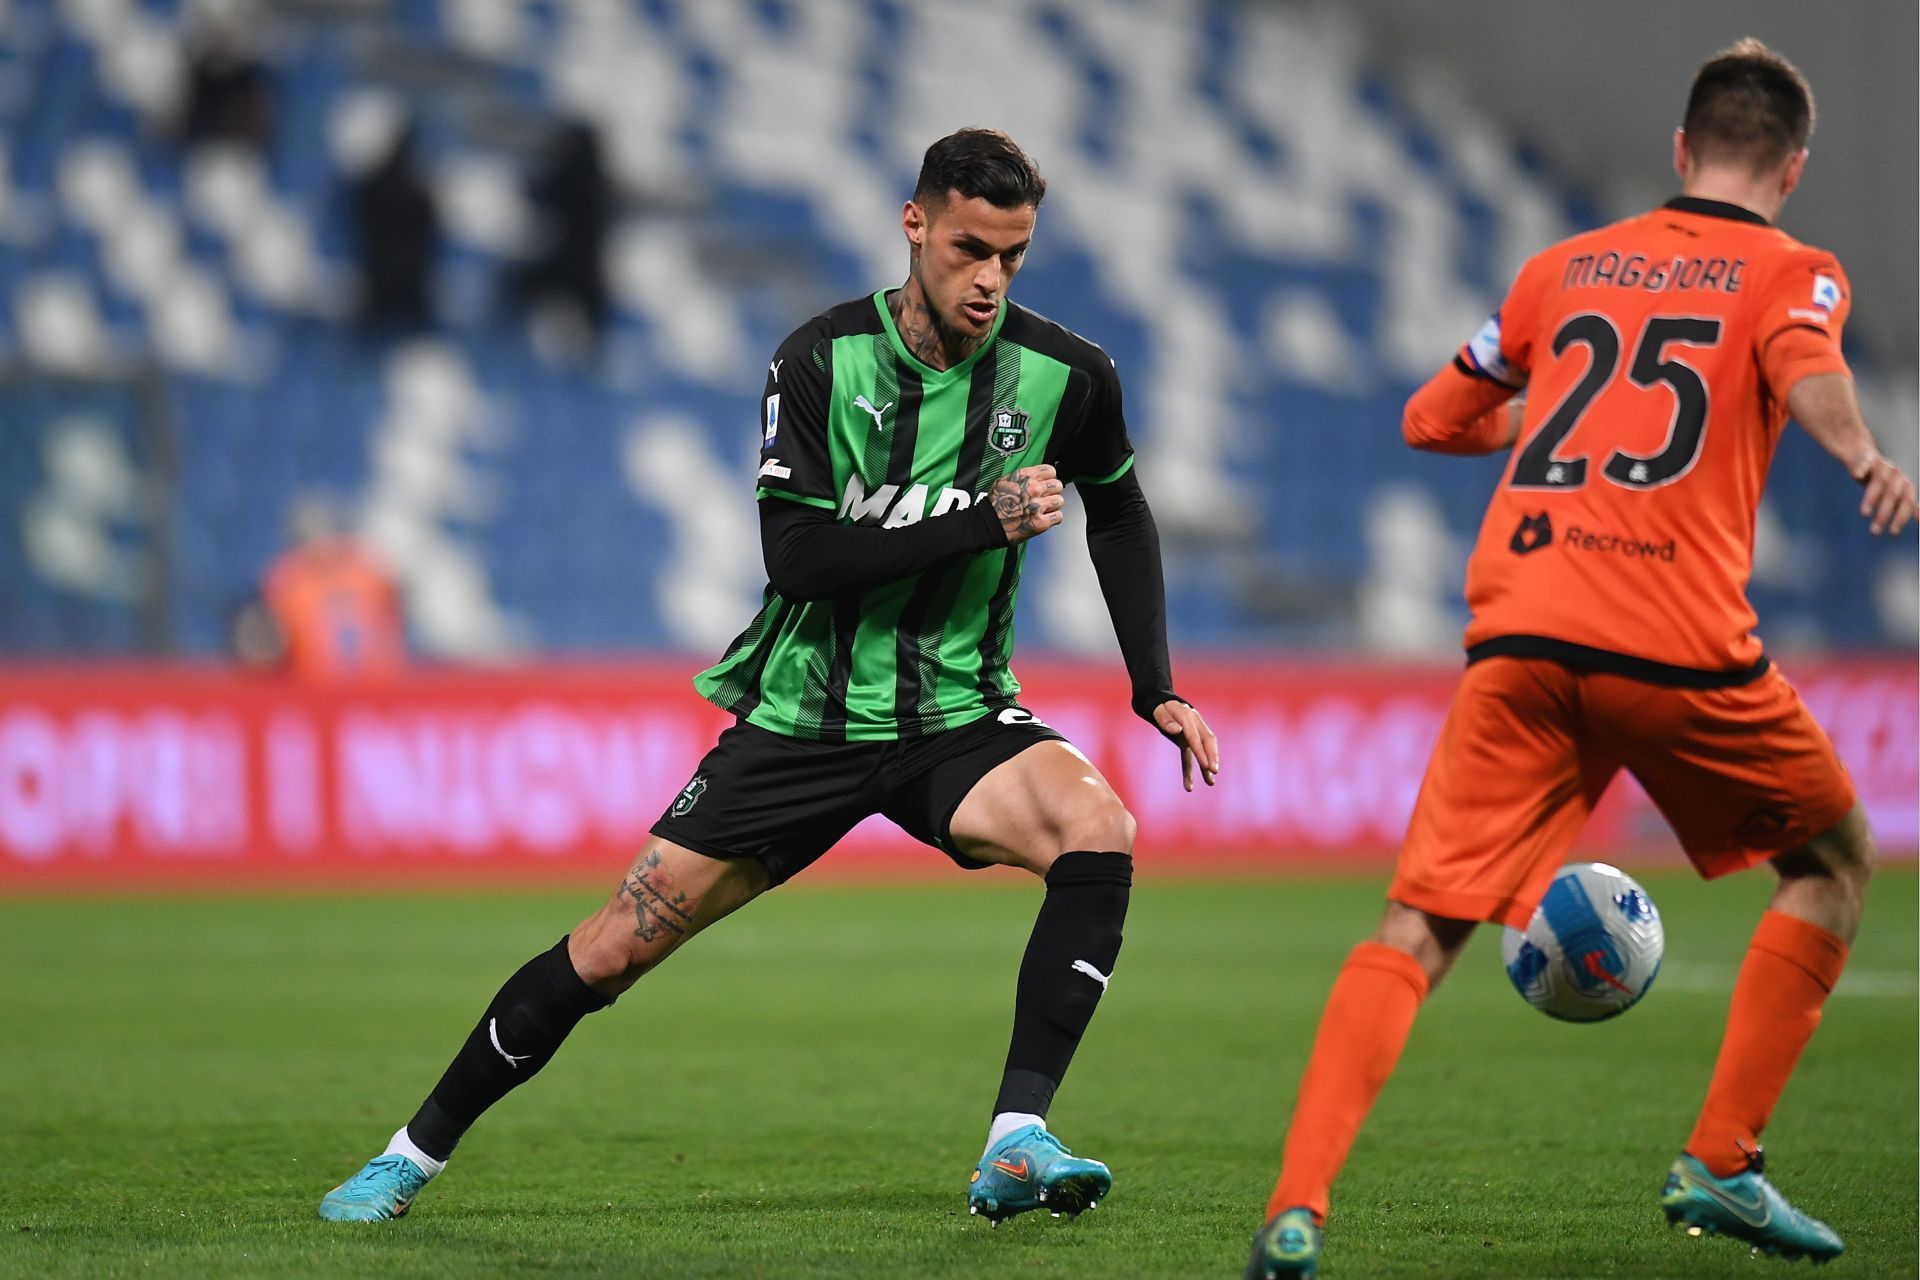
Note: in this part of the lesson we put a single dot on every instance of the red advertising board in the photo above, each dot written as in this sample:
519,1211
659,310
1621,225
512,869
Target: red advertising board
156,775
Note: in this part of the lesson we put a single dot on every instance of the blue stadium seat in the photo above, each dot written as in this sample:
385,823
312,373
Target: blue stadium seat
573,551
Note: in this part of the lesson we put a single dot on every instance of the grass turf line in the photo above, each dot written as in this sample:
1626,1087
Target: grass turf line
803,1092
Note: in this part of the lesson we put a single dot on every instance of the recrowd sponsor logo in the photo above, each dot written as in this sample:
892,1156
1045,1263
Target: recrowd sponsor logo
1532,533
1578,539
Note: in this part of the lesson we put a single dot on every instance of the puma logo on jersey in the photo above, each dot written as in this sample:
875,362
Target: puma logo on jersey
861,402
880,507
774,369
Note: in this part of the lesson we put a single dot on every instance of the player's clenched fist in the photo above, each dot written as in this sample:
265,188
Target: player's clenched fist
1029,502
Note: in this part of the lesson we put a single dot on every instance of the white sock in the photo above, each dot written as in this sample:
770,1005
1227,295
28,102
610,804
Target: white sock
1006,1122
402,1145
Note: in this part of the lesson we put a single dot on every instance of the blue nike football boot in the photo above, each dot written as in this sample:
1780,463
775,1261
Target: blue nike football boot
1288,1248
384,1189
1029,1169
1747,1207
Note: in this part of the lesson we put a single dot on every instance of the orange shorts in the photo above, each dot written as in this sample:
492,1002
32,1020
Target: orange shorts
1529,745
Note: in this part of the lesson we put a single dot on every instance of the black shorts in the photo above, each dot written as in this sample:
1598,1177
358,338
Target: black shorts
785,801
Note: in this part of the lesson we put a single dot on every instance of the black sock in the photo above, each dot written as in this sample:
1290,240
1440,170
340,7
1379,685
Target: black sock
1078,929
514,1038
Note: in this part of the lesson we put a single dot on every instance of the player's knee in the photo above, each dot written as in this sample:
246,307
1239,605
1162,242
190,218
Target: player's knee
593,958
1433,941
607,955
1858,852
1856,860
1844,853
1097,821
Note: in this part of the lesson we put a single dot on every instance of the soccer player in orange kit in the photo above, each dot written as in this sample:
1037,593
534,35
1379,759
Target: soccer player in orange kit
1660,358
334,610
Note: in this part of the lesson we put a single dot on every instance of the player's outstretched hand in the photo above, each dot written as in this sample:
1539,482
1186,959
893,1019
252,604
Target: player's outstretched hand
1029,502
1182,724
1888,501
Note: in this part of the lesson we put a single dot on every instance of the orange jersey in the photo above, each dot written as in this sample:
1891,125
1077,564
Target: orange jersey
337,612
1656,355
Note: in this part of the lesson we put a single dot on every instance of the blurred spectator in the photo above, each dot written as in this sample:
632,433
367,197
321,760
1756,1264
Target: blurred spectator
229,93
574,202
397,229
328,608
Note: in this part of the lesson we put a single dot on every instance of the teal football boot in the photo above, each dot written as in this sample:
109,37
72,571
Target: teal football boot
1747,1207
384,1189
1029,1169
1288,1248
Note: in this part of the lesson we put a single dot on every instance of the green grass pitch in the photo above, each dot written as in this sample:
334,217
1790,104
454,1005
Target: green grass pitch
804,1091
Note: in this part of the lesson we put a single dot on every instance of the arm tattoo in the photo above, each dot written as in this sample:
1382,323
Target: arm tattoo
1018,510
659,910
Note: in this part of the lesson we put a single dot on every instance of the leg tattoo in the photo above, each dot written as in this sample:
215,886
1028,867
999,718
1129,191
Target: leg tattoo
660,910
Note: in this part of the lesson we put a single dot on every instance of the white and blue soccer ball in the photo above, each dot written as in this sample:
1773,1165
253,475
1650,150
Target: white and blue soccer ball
1593,946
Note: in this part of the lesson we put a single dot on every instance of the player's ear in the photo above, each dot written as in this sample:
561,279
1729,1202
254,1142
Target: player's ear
913,221
1680,160
1790,176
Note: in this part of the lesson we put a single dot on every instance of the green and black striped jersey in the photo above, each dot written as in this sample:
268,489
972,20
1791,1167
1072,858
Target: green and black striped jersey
854,423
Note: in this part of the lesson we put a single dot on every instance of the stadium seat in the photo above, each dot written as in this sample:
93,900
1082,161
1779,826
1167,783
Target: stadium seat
1273,242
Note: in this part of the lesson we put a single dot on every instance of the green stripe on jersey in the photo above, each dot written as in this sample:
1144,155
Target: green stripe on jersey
907,442
1117,472
801,498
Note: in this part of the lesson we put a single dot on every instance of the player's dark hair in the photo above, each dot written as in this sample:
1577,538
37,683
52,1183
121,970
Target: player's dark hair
1748,104
980,164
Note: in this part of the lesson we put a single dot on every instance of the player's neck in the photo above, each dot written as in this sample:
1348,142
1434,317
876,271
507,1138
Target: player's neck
1734,186
931,343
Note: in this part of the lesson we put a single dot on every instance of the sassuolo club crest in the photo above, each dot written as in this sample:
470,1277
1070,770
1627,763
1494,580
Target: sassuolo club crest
690,795
1009,433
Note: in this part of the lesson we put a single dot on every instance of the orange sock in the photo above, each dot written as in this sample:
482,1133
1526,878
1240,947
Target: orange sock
1790,967
1365,1025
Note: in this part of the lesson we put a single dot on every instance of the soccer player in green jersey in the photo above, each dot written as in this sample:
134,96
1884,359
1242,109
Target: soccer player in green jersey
912,443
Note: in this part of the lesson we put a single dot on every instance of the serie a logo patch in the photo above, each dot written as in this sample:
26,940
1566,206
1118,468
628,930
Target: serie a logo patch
1826,292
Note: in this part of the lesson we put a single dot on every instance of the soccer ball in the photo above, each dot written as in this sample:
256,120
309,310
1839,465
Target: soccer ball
1592,948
